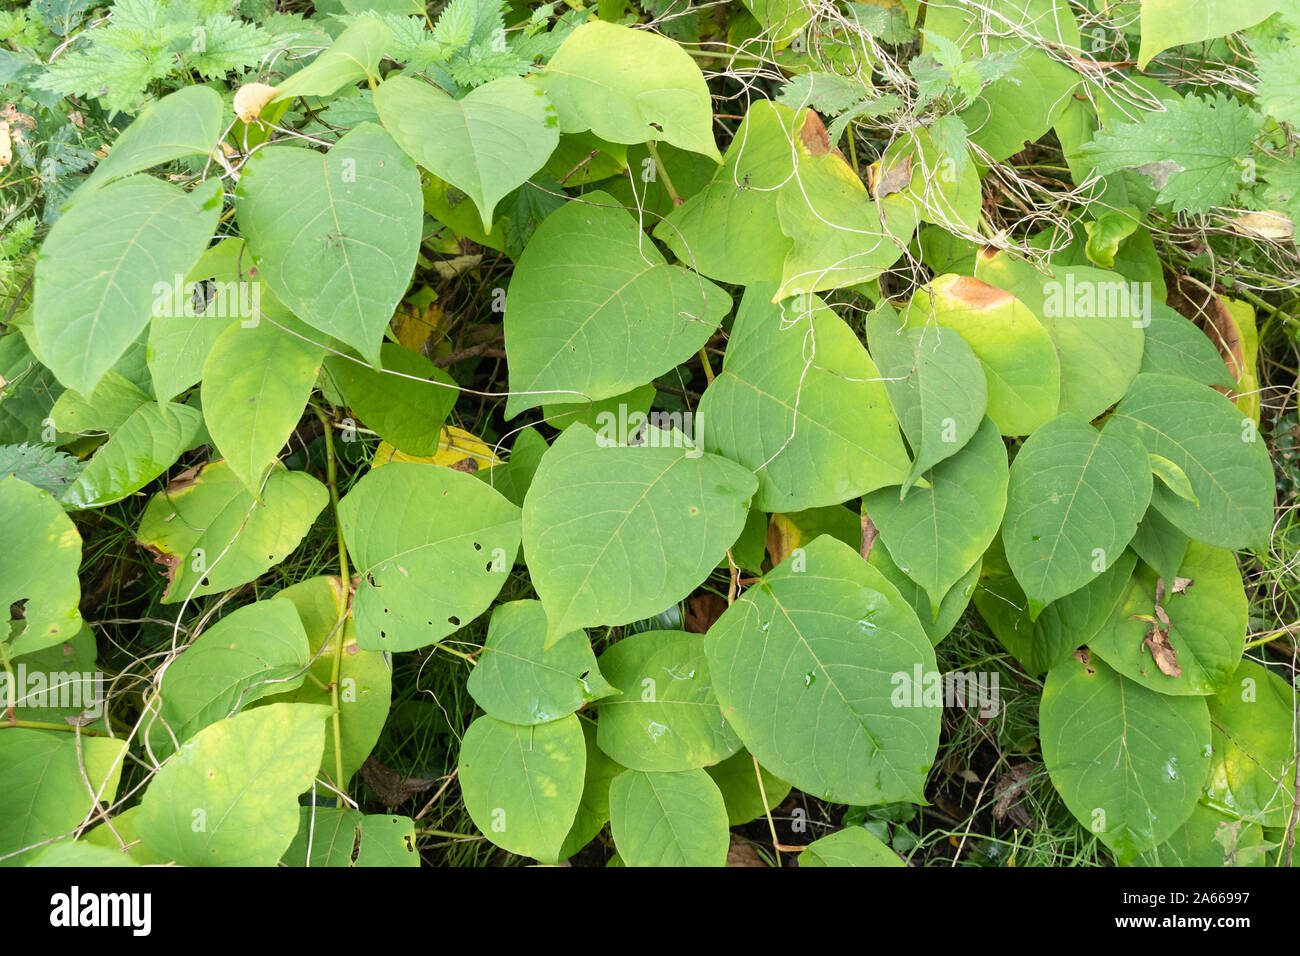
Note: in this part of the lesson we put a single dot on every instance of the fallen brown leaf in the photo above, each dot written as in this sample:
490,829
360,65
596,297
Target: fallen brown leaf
390,786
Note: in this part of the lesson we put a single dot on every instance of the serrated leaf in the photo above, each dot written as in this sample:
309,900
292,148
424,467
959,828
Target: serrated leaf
485,144
594,310
41,465
522,785
335,235
616,534
799,403
433,546
1127,761
668,819
666,717
211,534
803,667
1074,500
244,774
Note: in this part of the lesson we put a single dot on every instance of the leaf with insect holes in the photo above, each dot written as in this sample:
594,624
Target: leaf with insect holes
141,449
335,234
433,546
40,553
486,143
616,534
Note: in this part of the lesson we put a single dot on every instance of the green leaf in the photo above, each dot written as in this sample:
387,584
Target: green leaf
1207,627
805,666
593,811
146,445
522,785
184,123
41,465
738,781
40,554
665,717
48,785
852,846
668,819
594,310
1278,91
937,534
365,678
630,86
1169,23
103,411
341,836
211,534
1173,477
518,681
230,798
433,547
353,57
1160,544
1252,721
1191,150
935,384
1021,369
486,144
1074,501
407,402
1175,346
954,603
1128,762
1095,320
81,855
335,234
102,264
799,403
255,651
616,534
605,414
1209,838
1217,447
256,382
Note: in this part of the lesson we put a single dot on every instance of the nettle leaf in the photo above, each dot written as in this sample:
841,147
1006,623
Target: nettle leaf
936,534
1169,23
254,651
1074,501
40,554
256,382
935,384
852,846
1217,447
48,785
799,402
813,669
520,681
353,57
1095,320
335,234
341,836
41,465
630,86
738,779
1206,626
1022,372
668,819
614,534
1064,625
1127,761
101,264
1191,149
665,717
365,679
140,449
522,785
594,310
1252,722
184,123
243,775
486,144
211,534
406,402
433,546
1175,346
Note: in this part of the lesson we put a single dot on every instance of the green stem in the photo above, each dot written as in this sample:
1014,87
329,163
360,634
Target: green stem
336,666
663,173
42,725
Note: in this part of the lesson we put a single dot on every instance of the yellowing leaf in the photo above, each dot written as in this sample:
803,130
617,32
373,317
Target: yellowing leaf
457,449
